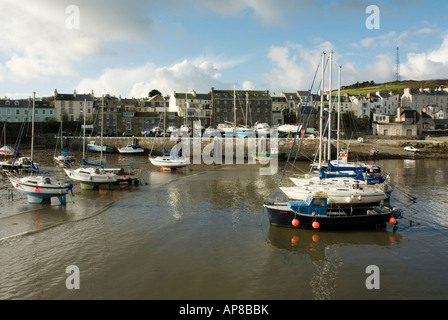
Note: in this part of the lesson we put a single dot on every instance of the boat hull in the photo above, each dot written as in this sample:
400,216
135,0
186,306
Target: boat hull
40,190
339,197
97,148
168,162
89,178
281,215
131,149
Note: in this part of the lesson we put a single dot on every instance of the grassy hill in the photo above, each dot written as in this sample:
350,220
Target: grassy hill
396,87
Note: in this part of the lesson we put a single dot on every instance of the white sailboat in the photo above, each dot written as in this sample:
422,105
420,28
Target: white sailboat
132,148
64,159
38,188
91,176
170,160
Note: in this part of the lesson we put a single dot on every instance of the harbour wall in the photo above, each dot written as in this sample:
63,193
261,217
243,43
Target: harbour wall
305,149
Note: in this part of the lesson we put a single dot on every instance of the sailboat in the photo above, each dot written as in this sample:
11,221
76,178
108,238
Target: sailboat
335,203
132,148
64,159
91,175
169,160
38,188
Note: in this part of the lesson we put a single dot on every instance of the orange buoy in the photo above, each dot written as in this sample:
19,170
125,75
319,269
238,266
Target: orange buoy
36,189
17,185
295,222
315,225
393,220
314,213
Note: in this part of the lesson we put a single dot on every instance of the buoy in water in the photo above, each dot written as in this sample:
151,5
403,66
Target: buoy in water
392,220
315,225
295,222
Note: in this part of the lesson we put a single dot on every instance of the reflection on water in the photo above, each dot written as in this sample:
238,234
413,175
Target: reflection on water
200,233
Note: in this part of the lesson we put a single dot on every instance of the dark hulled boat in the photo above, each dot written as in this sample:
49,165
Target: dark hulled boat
314,213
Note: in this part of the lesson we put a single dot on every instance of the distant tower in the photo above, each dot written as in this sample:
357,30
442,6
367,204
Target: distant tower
397,67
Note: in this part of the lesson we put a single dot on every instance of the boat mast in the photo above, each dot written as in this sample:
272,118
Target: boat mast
84,133
321,110
329,109
339,113
234,108
247,108
102,127
32,130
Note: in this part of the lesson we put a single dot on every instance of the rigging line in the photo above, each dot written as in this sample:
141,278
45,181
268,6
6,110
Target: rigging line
295,137
309,116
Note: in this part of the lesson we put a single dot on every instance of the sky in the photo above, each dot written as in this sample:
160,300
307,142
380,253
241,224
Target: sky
128,48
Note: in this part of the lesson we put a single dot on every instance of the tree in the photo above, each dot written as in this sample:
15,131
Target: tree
154,92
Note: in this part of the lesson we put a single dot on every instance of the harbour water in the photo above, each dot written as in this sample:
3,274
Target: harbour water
201,234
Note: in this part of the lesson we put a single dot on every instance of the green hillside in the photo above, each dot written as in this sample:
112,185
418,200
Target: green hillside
396,87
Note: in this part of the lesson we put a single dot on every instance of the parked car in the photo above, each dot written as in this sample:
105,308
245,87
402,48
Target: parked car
411,149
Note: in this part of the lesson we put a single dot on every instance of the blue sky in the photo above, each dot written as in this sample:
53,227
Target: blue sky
128,48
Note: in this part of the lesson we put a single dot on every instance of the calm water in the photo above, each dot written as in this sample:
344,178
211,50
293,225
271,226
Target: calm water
201,234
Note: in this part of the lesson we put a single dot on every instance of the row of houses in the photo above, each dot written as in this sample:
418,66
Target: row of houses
422,109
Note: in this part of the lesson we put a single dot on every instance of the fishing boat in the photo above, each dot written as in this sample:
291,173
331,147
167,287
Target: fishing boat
90,175
94,146
38,188
170,160
313,212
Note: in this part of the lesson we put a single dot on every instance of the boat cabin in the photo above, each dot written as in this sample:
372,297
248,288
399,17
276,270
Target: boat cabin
315,203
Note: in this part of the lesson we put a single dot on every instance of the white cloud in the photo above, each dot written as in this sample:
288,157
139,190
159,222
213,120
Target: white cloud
427,65
294,66
137,82
37,43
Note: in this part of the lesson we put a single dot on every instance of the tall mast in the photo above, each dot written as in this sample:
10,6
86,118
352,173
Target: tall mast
234,107
84,133
102,128
247,108
321,110
329,109
32,129
339,111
